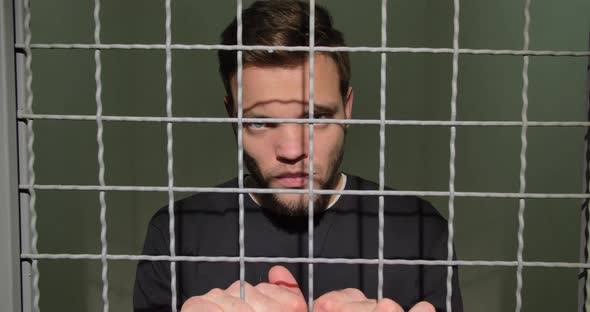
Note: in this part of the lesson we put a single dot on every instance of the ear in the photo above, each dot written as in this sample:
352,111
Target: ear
229,107
348,103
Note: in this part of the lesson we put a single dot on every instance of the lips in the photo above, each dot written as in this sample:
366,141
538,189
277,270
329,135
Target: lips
292,180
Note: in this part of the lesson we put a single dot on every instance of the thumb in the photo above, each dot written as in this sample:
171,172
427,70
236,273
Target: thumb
279,275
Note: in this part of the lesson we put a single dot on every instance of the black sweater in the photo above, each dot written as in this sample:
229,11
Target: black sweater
207,225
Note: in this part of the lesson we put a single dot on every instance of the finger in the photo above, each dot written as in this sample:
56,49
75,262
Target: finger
226,301
353,294
251,294
388,305
260,301
338,299
358,306
200,304
423,307
282,297
279,275
343,296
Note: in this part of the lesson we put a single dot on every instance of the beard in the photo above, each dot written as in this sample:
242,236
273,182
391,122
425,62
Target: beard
299,206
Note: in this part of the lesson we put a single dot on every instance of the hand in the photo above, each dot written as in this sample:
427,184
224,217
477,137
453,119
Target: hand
281,293
351,299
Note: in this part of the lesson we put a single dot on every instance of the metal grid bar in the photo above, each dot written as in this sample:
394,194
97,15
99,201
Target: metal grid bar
82,46
240,108
571,265
454,87
170,156
382,95
13,283
31,154
523,149
387,122
585,212
101,165
58,187
102,188
310,182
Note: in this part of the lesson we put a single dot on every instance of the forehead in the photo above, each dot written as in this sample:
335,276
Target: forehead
289,84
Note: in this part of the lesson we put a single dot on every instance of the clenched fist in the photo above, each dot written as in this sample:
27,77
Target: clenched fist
282,293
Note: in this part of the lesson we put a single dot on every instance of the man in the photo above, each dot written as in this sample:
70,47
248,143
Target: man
275,85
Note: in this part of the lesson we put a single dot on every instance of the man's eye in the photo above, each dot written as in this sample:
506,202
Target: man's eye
256,125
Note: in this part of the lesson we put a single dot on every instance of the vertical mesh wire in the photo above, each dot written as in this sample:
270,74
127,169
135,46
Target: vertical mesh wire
585,204
454,87
523,149
169,146
382,95
31,154
101,165
240,110
310,180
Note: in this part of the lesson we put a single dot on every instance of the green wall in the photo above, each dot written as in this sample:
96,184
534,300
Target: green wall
417,158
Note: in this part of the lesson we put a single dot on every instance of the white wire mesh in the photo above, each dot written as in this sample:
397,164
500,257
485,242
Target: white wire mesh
135,188
310,114
31,155
523,149
169,154
388,122
382,95
29,116
306,48
451,219
412,262
240,110
101,165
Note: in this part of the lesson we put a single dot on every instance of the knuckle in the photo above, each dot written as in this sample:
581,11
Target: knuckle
300,306
242,307
214,292
425,307
264,286
324,303
235,287
296,305
387,304
196,303
234,284
191,302
353,292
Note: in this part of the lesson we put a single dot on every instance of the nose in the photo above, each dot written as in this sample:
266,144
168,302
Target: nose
291,146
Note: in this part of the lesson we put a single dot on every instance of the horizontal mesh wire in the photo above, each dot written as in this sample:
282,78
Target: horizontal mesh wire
58,187
82,46
544,264
389,122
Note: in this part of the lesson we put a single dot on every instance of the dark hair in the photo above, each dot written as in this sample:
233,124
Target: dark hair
281,23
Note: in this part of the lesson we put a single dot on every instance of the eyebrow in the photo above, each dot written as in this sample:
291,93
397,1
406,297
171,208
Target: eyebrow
318,108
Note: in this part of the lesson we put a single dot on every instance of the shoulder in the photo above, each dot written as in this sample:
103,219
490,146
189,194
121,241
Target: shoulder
394,205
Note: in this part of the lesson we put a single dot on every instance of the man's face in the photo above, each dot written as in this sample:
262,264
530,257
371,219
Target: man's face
277,155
